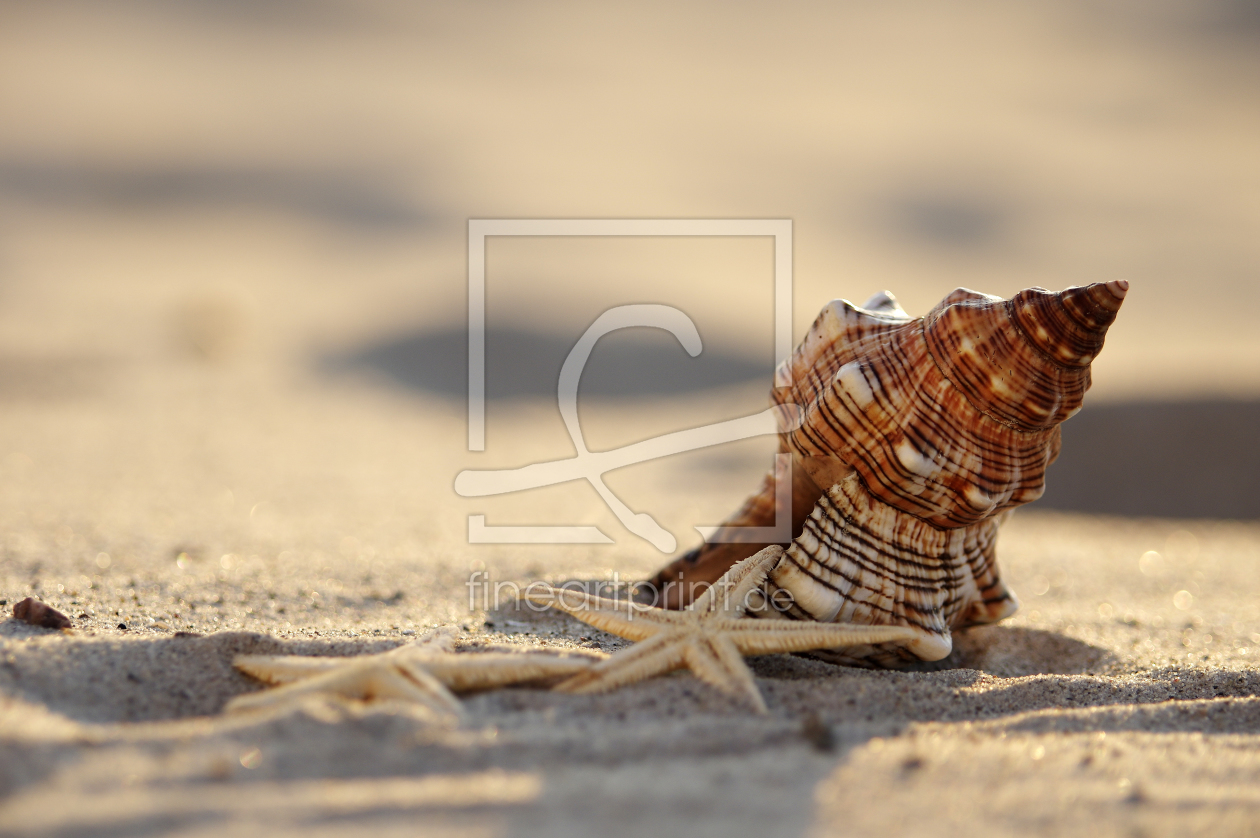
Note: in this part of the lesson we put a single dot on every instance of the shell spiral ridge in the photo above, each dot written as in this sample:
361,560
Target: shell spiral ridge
952,417
861,561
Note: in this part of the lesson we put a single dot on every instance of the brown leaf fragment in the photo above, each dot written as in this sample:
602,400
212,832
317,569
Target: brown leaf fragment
37,613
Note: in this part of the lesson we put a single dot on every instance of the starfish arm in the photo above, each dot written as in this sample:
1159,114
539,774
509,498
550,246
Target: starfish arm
485,670
757,637
417,681
285,669
367,680
717,662
620,617
729,595
656,656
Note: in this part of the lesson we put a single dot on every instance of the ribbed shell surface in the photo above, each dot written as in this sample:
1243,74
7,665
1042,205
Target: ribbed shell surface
861,561
877,399
952,417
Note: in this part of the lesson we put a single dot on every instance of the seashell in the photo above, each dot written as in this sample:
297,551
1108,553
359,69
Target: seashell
919,436
31,610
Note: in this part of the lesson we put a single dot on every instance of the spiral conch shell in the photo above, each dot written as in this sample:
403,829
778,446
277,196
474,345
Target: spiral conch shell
918,436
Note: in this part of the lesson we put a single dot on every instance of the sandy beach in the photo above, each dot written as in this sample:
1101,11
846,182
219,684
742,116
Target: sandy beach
233,278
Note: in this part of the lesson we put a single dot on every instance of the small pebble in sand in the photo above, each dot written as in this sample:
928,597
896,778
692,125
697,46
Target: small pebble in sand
818,733
39,614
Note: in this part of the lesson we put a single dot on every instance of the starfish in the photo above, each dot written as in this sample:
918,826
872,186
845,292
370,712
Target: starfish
710,638
424,672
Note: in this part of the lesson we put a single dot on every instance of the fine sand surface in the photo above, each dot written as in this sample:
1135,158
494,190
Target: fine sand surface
1121,698
232,363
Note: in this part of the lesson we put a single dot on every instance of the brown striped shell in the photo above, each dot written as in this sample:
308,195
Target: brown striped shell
954,416
859,560
918,435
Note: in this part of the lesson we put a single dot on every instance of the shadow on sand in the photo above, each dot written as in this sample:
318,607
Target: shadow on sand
1153,458
628,363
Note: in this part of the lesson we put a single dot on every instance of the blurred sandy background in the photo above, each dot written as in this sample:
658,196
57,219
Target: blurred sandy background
247,192
233,277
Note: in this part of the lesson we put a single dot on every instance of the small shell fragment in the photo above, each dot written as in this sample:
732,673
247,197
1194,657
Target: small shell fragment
37,613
